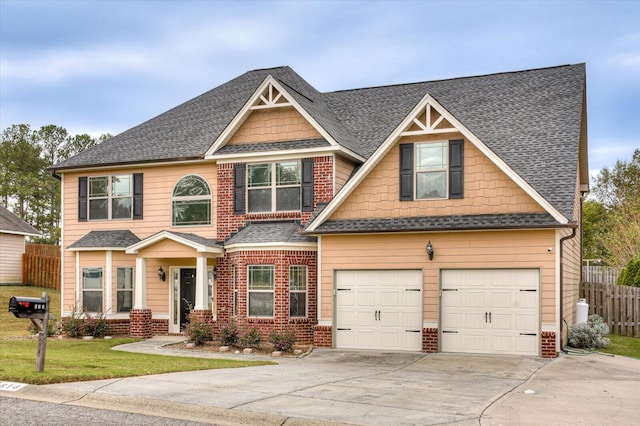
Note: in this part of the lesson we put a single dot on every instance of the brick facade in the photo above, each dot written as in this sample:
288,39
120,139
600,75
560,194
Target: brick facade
548,341
322,336
234,267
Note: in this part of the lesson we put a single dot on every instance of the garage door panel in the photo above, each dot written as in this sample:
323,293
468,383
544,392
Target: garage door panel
511,297
387,301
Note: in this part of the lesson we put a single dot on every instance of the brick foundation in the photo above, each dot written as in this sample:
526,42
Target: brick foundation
119,327
322,336
548,341
141,323
202,314
429,340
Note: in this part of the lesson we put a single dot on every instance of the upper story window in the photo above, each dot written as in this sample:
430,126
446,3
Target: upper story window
273,187
432,170
110,197
191,202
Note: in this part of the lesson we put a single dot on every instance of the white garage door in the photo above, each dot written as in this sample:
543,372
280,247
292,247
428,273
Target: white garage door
379,309
490,311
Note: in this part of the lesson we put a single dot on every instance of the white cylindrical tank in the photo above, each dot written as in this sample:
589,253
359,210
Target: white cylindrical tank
582,311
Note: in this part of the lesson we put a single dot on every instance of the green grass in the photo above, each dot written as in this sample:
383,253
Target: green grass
71,360
622,345
14,327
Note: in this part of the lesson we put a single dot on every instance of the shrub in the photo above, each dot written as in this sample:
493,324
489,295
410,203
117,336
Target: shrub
589,335
229,334
630,275
252,338
73,326
283,341
53,327
199,331
96,326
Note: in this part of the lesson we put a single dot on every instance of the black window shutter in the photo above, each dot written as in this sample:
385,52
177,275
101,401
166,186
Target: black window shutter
82,199
456,168
238,189
137,195
406,172
307,184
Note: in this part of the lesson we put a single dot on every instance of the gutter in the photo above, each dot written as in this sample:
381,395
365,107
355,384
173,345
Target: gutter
562,240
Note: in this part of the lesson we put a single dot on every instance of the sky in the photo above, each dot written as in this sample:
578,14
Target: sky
105,66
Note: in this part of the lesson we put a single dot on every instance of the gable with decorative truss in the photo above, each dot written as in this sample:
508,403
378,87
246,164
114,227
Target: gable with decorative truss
271,115
428,121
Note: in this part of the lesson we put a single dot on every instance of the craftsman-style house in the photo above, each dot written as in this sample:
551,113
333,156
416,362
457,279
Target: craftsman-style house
432,216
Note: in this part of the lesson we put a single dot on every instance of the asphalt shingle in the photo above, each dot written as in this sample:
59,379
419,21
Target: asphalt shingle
100,239
270,232
10,223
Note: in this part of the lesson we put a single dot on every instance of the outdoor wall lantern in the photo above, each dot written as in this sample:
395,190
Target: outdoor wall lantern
161,274
430,250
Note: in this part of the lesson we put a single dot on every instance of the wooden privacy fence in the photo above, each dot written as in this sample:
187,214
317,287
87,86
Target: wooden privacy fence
618,305
41,266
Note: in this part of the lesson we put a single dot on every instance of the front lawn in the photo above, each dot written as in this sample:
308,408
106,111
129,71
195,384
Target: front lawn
70,360
12,326
623,345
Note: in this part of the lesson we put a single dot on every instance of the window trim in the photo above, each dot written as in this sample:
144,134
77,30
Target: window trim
274,186
445,170
207,197
305,291
118,290
101,290
272,291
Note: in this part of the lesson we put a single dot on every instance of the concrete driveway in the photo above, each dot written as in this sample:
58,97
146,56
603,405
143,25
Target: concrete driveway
374,388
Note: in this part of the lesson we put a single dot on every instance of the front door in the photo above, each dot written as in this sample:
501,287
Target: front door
187,295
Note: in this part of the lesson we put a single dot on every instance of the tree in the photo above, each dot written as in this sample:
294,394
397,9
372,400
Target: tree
593,215
618,190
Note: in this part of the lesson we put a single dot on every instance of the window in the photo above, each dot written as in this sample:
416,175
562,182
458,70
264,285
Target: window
297,291
260,295
431,170
124,289
110,197
191,202
274,187
92,289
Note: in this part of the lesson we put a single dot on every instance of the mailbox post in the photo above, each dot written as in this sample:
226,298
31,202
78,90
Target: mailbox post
37,310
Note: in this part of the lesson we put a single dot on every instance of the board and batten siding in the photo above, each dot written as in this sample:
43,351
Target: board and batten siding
11,250
487,190
495,249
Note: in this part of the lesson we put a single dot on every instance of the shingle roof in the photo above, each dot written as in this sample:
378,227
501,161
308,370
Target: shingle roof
268,147
270,232
207,242
12,224
100,239
439,223
530,119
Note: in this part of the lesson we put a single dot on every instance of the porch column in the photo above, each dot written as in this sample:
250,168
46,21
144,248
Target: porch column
140,321
140,284
202,284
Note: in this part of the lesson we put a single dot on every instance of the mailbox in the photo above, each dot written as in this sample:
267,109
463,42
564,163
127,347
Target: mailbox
28,307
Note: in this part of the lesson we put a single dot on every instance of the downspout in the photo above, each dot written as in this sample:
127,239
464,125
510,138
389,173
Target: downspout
562,240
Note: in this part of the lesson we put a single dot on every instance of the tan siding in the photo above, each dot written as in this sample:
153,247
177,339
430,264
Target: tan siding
158,186
11,250
508,249
272,125
572,262
344,168
168,248
487,190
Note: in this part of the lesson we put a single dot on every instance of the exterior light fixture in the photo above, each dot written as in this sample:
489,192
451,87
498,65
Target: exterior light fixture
430,250
161,274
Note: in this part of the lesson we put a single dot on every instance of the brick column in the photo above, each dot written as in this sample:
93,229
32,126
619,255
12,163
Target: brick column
203,314
141,324
548,341
322,336
429,340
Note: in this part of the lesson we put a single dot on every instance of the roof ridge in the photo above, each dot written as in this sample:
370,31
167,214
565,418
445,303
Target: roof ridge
453,78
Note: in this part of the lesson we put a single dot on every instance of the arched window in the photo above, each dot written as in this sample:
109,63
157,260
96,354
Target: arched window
191,202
